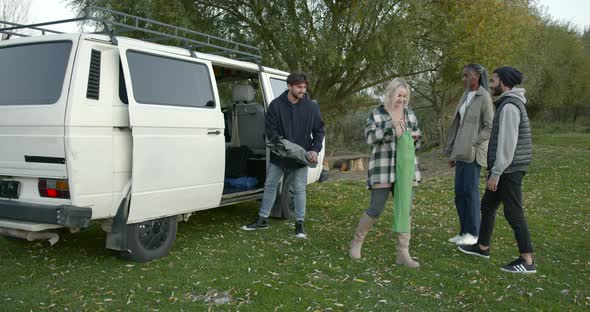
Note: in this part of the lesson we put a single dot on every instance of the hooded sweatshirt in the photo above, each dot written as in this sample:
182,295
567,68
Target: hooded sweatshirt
300,123
511,134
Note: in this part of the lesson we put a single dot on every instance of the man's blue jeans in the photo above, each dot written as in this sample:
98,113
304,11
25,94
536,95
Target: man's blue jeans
467,198
274,174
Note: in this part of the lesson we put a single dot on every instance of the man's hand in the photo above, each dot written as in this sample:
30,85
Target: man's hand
492,183
313,156
451,163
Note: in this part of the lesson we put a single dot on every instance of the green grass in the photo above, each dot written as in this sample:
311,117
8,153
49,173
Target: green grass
271,270
562,135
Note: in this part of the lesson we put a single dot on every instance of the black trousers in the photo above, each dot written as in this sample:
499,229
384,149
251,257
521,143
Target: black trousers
509,193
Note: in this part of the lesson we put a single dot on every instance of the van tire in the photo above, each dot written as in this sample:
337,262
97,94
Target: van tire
286,200
150,239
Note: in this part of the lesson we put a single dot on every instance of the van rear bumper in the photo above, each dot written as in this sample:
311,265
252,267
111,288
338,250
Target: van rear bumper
64,215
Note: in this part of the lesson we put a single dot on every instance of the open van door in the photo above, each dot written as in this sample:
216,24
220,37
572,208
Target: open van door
177,127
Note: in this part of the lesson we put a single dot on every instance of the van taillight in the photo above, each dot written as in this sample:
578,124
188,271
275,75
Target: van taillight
54,188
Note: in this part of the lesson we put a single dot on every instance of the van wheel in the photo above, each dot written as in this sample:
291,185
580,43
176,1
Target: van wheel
150,240
287,200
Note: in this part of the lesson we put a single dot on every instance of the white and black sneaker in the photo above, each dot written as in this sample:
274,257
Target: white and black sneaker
467,239
520,266
260,224
474,250
455,238
299,231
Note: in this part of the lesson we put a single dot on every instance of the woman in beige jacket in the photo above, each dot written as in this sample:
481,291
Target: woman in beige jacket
467,147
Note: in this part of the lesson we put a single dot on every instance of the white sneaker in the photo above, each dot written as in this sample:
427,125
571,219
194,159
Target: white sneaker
455,238
467,239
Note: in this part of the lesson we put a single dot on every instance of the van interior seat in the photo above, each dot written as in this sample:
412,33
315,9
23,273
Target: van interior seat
249,118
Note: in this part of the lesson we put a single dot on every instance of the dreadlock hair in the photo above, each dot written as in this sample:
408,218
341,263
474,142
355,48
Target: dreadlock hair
483,73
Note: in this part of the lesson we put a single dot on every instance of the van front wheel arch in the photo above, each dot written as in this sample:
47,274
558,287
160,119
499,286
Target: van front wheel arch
150,239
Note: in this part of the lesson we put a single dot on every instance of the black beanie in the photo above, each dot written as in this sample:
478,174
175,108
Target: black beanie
509,76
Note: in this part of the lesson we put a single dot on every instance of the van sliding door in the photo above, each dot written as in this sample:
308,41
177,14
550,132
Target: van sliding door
177,128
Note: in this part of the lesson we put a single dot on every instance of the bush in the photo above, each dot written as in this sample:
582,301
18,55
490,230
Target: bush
346,130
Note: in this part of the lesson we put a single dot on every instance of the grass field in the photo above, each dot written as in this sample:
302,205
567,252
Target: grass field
216,266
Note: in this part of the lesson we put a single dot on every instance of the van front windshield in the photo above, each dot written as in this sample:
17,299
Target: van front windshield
33,74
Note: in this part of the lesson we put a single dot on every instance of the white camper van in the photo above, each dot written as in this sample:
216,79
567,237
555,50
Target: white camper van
130,133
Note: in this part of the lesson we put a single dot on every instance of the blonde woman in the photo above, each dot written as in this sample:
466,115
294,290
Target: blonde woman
392,132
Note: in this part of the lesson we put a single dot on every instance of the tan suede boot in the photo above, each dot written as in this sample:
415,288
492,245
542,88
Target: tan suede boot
362,229
403,251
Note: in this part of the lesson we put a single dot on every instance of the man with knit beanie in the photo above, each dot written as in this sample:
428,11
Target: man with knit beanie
509,155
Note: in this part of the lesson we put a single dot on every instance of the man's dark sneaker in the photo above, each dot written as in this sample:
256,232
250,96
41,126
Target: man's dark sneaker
519,266
260,224
475,250
299,231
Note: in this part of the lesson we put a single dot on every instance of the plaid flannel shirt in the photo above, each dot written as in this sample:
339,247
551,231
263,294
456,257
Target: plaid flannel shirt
380,134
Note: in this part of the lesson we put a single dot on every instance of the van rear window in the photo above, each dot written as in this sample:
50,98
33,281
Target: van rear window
33,74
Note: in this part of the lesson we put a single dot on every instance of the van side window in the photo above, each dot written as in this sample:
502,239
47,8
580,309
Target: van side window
122,85
93,88
278,86
167,81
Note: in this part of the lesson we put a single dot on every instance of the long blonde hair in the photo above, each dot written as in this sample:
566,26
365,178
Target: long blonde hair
395,84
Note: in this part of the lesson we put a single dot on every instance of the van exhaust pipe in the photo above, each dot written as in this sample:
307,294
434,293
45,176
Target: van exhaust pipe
50,237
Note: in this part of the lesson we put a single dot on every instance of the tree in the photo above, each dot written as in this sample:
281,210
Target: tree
558,80
488,32
586,39
175,12
345,46
14,11
352,48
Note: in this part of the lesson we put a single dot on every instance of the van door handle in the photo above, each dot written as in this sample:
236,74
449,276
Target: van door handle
216,132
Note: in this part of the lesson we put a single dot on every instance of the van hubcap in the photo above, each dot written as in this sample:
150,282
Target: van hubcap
153,234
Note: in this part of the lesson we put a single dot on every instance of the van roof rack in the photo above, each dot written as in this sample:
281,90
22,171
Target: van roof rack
120,23
19,26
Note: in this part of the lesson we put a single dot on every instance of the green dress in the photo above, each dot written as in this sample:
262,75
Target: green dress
404,179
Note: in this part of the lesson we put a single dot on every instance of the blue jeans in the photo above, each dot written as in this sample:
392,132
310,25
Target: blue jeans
298,177
467,196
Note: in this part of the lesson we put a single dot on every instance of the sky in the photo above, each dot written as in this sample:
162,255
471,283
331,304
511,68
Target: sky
575,11
51,10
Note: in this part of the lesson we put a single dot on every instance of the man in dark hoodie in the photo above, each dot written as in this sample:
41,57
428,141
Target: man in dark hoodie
509,155
296,118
